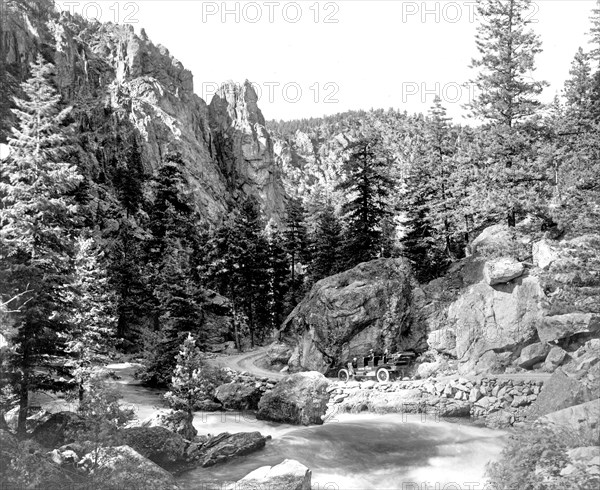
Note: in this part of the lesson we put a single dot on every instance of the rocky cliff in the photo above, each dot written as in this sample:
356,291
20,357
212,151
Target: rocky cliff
123,86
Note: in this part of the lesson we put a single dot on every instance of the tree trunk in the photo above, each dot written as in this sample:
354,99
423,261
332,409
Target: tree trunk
23,402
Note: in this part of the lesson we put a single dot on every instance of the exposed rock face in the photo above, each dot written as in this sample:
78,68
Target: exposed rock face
583,418
244,148
560,391
497,319
123,467
561,326
287,475
121,83
554,359
239,396
543,254
443,340
158,444
177,421
297,399
345,315
502,270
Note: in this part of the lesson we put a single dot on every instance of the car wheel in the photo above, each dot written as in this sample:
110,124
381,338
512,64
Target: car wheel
343,375
383,375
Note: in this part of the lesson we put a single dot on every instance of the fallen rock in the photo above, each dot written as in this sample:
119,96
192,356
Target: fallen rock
287,475
502,270
345,315
560,391
123,467
532,354
238,396
583,418
59,429
158,444
558,327
225,446
297,399
177,421
554,359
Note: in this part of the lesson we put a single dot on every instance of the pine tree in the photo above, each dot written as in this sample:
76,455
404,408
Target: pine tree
295,244
37,220
94,316
278,273
367,182
506,102
187,384
326,246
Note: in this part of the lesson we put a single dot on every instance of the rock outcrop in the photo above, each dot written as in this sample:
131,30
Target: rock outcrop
123,467
287,475
345,315
158,444
583,418
176,421
300,398
239,396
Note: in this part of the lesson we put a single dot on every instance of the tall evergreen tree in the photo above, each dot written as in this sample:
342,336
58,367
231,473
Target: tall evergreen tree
506,102
326,245
367,182
37,219
296,245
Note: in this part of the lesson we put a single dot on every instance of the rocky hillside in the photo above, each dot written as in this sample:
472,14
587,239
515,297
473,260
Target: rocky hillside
519,302
123,86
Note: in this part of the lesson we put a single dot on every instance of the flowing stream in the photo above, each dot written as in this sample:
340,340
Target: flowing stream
351,452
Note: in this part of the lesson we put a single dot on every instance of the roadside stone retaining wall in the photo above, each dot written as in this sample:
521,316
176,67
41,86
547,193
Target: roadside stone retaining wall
495,402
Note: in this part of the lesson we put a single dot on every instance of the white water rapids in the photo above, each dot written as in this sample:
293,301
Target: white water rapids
351,452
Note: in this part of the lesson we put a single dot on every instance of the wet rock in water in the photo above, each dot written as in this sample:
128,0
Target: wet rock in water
158,444
238,396
123,467
177,421
287,475
298,399
225,446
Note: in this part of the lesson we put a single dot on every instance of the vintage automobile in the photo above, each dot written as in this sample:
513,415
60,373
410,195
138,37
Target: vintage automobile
384,368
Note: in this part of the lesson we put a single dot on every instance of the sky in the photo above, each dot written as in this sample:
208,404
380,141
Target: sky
310,58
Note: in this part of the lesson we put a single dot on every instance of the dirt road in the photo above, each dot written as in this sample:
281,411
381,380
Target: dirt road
246,361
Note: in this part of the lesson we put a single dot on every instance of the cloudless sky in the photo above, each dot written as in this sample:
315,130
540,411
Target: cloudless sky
379,54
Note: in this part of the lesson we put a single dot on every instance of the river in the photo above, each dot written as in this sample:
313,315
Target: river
350,452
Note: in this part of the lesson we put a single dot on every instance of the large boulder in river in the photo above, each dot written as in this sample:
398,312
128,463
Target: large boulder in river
223,447
238,396
297,399
287,475
123,467
345,315
177,421
156,443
